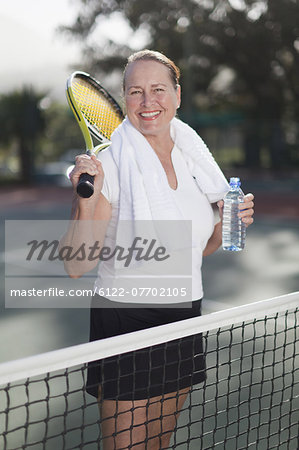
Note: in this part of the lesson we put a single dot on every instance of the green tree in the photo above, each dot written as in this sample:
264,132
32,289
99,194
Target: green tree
62,133
256,40
23,122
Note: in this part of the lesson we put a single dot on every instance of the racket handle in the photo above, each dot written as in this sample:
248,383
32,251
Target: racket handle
85,185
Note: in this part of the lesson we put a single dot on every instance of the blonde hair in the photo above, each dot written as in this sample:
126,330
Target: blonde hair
151,55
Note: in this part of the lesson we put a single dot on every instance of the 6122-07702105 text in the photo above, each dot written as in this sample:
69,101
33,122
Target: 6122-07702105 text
143,292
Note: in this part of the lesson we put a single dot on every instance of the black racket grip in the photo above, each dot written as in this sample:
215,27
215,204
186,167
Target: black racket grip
85,185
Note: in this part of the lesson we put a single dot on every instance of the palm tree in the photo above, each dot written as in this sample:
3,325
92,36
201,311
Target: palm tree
22,121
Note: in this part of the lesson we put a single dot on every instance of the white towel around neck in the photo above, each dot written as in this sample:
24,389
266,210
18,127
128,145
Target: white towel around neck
144,190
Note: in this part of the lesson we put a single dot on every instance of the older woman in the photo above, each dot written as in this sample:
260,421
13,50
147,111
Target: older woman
156,168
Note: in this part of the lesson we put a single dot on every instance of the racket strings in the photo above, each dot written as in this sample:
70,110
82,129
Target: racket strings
100,112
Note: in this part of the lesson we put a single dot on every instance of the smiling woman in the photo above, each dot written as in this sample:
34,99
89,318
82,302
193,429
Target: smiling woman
152,93
157,169
151,99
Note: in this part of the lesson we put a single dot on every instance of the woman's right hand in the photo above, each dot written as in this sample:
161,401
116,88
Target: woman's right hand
92,166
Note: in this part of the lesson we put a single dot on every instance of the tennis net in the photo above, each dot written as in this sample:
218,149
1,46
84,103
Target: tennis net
248,400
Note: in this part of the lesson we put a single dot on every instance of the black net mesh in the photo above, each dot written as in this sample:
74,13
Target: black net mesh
249,399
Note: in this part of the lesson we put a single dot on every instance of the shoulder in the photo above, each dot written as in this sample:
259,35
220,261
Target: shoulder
108,162
111,175
105,156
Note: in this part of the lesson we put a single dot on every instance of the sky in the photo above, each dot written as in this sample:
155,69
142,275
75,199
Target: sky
32,52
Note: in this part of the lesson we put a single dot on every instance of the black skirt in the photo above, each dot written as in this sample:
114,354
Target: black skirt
149,372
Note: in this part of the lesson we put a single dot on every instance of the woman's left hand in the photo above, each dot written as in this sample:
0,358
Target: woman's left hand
246,209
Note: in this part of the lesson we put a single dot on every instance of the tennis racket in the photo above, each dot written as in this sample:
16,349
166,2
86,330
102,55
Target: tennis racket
97,114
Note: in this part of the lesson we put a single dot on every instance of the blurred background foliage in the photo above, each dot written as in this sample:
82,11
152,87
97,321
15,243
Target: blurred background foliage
239,61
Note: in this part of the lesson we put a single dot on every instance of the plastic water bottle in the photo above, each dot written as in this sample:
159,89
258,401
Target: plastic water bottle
233,229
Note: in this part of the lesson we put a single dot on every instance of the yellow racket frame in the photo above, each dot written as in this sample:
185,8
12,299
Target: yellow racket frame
95,110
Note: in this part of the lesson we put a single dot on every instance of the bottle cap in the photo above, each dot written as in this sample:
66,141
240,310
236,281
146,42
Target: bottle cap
235,181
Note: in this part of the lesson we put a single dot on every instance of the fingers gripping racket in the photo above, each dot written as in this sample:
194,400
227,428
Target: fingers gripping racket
97,114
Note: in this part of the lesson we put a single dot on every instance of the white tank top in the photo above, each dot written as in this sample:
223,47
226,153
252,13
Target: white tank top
190,200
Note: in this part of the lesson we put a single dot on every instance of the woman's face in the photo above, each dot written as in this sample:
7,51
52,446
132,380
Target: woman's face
151,98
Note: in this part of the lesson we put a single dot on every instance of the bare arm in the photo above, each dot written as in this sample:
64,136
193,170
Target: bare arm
89,220
215,240
246,214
